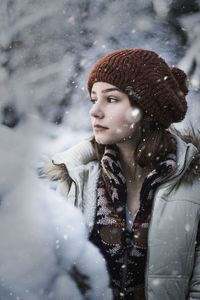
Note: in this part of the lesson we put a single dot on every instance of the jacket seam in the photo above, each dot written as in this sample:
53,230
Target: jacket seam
179,276
197,202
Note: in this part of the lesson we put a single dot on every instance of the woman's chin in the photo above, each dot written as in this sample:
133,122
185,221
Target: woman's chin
106,141
100,141
103,141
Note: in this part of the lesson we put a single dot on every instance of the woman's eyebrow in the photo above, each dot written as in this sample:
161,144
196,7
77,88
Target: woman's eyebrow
107,90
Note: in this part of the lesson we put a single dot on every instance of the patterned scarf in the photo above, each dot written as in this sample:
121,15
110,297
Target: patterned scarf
114,180
123,247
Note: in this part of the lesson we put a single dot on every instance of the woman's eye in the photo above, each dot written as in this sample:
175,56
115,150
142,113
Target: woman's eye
93,100
109,100
112,100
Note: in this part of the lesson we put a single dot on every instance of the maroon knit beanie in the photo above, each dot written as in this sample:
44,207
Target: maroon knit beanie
159,90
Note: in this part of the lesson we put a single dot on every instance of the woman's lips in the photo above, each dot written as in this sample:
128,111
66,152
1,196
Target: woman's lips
99,127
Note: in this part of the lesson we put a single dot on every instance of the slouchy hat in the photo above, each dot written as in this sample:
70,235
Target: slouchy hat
158,89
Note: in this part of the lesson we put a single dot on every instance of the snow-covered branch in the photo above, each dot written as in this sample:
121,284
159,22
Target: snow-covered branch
191,61
45,252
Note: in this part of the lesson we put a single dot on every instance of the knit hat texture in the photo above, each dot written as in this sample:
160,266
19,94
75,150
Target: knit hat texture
158,89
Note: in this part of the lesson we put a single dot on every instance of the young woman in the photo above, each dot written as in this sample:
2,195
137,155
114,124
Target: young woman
136,182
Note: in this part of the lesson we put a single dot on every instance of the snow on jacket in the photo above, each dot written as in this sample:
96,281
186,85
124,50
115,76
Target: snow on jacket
173,261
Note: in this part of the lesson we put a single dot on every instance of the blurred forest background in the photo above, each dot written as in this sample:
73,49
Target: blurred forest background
48,47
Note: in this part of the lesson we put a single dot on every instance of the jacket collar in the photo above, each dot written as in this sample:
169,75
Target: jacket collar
185,154
77,157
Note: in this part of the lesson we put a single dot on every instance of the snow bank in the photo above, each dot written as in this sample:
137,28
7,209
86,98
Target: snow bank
45,252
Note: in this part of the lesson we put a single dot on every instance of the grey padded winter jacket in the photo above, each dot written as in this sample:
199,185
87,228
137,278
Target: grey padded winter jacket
173,261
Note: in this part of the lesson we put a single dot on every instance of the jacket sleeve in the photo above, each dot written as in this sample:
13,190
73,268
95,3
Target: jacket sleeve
63,188
194,289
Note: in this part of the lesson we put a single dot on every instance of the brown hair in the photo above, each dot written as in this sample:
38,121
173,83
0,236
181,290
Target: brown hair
155,144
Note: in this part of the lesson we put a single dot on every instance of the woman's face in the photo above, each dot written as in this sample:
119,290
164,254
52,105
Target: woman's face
113,119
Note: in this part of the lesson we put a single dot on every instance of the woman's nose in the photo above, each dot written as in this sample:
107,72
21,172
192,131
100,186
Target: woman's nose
96,111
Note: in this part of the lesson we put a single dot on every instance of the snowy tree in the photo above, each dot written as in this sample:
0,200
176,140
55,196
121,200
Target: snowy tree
45,252
191,61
